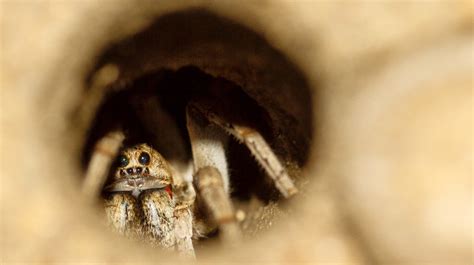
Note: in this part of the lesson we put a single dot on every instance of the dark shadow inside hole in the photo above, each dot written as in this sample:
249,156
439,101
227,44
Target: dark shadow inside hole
174,90
157,61
226,49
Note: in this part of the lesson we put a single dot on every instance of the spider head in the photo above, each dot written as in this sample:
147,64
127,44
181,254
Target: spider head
139,168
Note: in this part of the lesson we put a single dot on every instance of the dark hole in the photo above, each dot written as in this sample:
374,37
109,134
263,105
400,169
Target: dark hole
192,54
223,49
174,90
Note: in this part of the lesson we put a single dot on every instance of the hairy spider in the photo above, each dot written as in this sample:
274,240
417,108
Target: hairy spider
160,200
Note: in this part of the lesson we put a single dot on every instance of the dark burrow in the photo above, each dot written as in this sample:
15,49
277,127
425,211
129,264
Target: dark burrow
195,54
174,90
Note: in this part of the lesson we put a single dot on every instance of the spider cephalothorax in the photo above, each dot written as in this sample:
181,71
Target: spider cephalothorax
140,168
148,212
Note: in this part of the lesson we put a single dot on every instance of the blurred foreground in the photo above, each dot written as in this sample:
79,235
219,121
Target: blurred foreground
390,176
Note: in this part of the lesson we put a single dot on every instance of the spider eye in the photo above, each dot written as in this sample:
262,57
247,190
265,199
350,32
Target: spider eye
122,161
144,158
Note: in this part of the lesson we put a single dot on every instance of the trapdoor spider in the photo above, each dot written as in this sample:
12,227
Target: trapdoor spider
153,199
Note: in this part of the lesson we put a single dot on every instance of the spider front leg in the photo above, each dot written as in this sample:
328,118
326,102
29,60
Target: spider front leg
211,174
185,196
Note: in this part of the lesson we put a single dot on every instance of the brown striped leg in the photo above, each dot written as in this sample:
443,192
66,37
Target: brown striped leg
211,189
105,151
211,174
184,196
257,146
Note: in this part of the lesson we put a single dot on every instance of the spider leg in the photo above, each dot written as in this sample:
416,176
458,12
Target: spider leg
184,195
105,151
211,174
257,146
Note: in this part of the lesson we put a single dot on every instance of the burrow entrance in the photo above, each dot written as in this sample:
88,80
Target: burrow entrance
193,54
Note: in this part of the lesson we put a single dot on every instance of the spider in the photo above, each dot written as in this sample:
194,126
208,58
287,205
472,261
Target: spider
160,200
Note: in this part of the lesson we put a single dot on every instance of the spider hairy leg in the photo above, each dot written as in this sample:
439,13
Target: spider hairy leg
183,229
266,158
210,186
184,195
257,145
105,151
211,173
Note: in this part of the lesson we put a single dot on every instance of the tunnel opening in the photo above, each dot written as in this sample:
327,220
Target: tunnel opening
196,54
